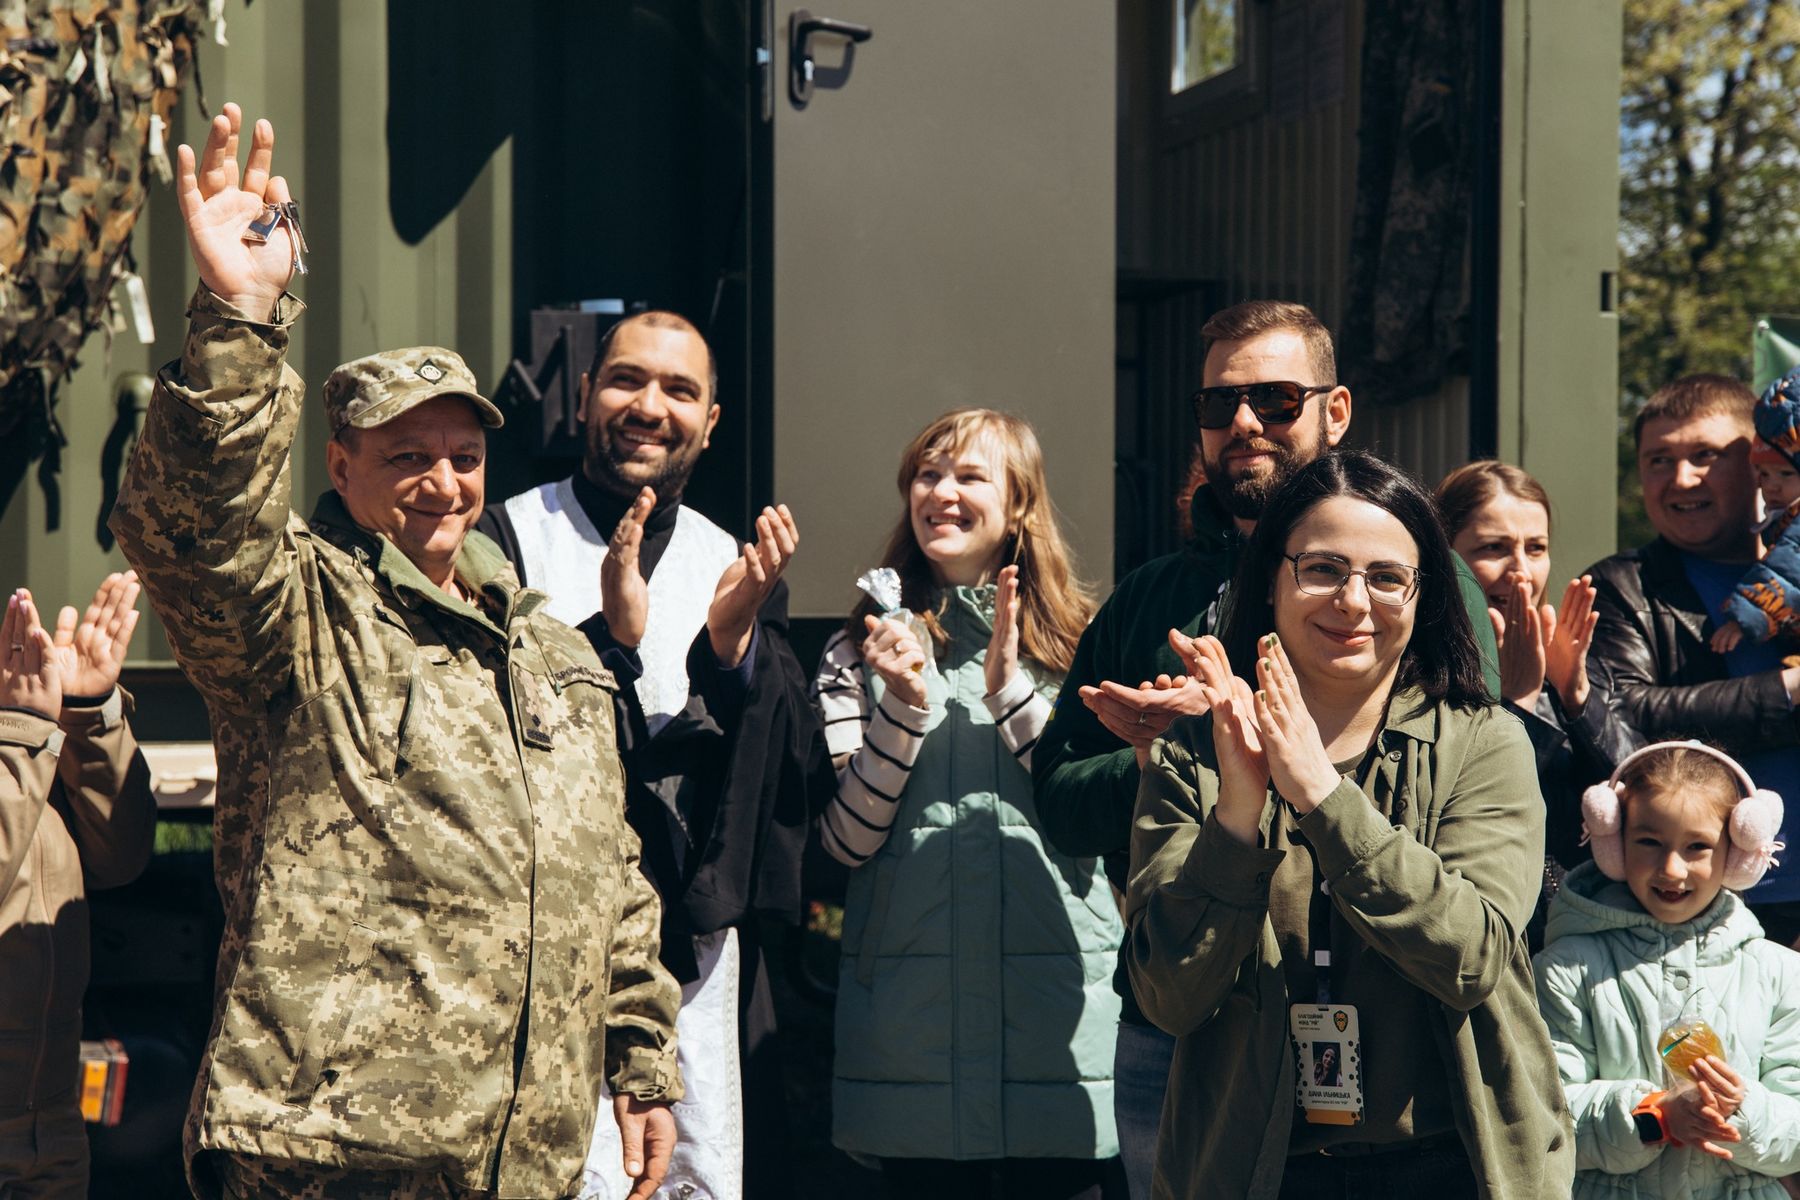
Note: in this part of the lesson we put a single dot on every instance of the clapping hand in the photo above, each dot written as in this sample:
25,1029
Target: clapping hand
747,583
29,675
624,596
1566,640
1520,632
1139,715
1298,762
91,654
1237,742
217,210
1002,661
1537,646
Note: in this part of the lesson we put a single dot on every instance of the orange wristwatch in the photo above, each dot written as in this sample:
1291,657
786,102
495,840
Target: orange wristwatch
1652,1129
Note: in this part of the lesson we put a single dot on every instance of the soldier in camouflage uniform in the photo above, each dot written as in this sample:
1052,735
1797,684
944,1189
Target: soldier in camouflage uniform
432,898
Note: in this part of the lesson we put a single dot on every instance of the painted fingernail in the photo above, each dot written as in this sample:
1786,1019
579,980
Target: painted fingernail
1265,664
1273,641
1261,695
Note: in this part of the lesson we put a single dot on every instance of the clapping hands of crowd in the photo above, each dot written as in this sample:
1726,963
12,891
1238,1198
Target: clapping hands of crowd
747,584
1002,661
30,677
893,651
82,658
1139,715
740,595
1261,737
624,594
1538,646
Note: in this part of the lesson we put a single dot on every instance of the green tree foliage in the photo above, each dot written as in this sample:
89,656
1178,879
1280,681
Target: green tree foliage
1709,225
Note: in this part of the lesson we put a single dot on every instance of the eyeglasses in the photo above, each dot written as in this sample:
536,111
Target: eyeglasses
1317,573
1275,402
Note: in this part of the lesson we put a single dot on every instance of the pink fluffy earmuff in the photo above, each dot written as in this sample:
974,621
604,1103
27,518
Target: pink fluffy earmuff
1751,830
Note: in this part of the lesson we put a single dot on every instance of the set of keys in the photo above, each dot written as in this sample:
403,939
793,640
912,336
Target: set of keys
274,216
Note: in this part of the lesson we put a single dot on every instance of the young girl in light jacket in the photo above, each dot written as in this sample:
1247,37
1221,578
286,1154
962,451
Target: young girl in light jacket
1643,942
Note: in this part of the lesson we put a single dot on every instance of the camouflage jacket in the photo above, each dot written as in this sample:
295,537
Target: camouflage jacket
431,894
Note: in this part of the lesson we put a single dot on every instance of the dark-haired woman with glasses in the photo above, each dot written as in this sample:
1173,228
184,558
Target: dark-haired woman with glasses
1345,852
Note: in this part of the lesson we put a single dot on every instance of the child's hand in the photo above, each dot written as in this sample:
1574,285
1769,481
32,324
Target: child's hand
1727,1087
1726,637
1694,1119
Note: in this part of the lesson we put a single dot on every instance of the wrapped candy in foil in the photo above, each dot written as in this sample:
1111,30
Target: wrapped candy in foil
882,585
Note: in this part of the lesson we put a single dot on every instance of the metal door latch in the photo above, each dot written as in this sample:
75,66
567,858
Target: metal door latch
801,27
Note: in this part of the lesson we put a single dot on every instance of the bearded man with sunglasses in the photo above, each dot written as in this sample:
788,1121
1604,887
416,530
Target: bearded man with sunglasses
1270,404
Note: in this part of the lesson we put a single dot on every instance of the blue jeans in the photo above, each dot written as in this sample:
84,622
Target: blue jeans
1140,1077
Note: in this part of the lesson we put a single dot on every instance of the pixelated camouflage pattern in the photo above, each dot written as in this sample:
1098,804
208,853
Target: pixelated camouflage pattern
245,1178
420,838
75,163
376,388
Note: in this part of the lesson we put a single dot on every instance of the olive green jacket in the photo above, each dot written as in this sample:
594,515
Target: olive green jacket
1444,895
432,898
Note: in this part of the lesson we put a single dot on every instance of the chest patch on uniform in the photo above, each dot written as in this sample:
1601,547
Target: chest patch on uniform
580,673
532,727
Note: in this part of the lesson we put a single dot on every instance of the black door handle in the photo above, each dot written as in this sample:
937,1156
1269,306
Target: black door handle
801,27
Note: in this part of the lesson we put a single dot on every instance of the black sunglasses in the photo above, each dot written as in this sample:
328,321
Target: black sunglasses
1275,402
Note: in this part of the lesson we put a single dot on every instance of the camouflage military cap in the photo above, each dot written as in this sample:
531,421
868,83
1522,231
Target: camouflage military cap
374,390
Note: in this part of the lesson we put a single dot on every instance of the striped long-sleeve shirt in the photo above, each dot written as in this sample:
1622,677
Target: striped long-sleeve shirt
882,743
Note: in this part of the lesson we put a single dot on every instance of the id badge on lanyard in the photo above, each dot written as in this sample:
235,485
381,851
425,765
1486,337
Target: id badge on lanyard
1328,1049
1327,1037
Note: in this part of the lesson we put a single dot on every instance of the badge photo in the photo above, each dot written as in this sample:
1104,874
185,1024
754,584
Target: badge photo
1328,1062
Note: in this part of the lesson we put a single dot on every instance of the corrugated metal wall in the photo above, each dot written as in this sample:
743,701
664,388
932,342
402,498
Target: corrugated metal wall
1255,193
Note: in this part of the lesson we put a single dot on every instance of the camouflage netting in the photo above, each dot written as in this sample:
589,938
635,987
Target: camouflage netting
87,88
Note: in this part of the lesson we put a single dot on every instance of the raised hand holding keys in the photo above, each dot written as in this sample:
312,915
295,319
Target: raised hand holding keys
218,209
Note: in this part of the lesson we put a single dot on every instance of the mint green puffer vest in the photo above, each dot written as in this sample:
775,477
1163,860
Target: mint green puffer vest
975,1010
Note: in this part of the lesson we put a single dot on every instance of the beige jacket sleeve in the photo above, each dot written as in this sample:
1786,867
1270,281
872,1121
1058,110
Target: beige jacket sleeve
105,799
28,751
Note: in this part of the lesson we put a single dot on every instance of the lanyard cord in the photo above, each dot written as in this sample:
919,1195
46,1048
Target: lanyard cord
1328,967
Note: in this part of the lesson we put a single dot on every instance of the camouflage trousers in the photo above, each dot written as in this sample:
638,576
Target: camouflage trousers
242,1177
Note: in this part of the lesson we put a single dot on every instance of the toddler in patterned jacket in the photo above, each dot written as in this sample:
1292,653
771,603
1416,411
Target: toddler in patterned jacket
1766,602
